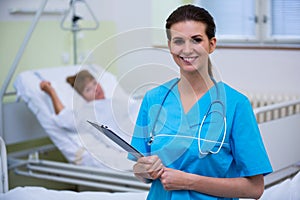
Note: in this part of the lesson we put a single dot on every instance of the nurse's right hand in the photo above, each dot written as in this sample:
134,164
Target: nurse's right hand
148,168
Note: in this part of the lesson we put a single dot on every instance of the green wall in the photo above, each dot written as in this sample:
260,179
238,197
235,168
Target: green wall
49,43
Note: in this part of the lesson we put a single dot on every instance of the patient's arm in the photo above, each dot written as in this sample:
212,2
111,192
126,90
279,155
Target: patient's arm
57,104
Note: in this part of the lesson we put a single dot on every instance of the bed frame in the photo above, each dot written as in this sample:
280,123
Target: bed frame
3,168
281,137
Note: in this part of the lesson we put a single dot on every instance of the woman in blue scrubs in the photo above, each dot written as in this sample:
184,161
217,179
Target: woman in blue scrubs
200,137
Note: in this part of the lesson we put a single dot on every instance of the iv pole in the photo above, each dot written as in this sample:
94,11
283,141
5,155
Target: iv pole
75,27
16,62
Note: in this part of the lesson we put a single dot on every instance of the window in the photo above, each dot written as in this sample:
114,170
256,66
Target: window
256,21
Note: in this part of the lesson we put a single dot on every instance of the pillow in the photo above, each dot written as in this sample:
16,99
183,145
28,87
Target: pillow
28,88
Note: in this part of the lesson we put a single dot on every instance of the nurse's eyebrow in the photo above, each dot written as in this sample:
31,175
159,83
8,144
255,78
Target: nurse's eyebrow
193,37
177,37
196,36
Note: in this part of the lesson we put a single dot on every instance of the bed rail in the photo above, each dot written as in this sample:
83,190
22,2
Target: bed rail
278,110
3,168
108,180
281,135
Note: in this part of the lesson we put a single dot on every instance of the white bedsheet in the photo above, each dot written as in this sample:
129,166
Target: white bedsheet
289,189
38,193
286,190
83,145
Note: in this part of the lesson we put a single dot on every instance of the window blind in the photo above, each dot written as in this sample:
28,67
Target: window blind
285,17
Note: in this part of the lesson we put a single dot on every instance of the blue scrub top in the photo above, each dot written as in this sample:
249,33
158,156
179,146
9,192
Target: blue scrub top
177,140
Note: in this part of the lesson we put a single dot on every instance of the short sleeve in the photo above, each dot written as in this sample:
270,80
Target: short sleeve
247,145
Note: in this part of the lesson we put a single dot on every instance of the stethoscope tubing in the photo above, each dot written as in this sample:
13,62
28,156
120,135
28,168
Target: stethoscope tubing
158,113
217,101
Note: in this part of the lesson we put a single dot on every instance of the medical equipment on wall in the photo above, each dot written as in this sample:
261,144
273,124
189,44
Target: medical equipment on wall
75,27
210,111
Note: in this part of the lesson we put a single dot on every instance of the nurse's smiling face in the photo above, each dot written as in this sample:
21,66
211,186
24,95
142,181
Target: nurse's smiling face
190,46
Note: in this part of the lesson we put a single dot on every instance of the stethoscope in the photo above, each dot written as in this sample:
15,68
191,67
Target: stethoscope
208,112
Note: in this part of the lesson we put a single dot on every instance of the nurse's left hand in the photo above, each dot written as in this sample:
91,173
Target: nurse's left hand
173,179
149,167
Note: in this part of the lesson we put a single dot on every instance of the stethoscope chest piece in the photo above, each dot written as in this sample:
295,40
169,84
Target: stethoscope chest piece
151,140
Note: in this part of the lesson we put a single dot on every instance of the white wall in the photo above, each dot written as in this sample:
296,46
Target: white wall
104,10
263,71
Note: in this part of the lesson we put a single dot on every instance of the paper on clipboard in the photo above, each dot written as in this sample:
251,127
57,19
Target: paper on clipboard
117,139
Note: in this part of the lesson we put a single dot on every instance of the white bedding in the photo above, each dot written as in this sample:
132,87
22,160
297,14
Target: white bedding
287,190
37,193
83,145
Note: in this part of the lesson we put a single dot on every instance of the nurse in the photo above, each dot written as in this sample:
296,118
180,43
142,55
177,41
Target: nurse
200,137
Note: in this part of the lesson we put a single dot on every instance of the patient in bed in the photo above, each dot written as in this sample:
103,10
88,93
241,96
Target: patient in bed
83,82
96,108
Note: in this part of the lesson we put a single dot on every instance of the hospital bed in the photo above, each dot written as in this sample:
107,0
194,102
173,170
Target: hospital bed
93,161
283,183
83,168
275,121
278,122
117,111
34,108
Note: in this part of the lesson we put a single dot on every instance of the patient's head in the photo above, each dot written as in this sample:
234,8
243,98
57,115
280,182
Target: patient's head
86,85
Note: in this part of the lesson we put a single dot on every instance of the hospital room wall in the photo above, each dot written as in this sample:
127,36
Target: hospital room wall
264,71
122,28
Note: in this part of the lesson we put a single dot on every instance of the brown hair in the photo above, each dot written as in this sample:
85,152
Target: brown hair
193,13
79,80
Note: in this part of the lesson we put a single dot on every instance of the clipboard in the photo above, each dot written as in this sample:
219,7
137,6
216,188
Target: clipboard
117,139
